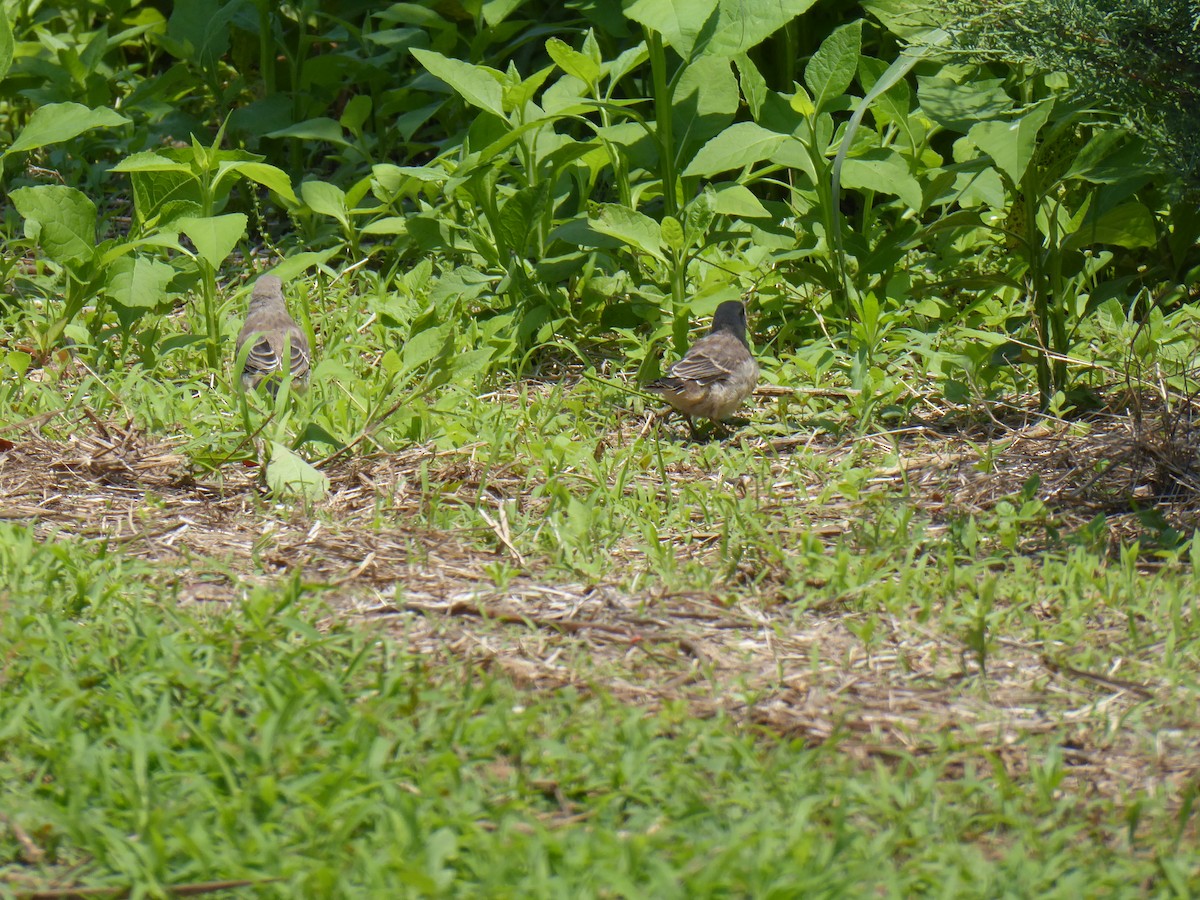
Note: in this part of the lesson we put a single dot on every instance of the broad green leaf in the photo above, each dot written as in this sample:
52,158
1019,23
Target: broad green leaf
959,106
17,360
885,172
699,213
742,25
737,200
320,129
424,346
481,86
464,366
356,112
6,44
754,86
57,122
630,227
515,225
387,225
738,145
326,199
289,475
679,22
887,91
138,282
704,101
214,236
61,219
715,27
270,177
831,69
672,233
573,62
150,161
1128,225
1011,144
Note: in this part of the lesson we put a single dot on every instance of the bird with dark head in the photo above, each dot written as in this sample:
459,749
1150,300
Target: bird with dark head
275,335
716,374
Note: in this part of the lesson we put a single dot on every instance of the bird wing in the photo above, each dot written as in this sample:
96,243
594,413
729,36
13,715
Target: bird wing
267,354
712,358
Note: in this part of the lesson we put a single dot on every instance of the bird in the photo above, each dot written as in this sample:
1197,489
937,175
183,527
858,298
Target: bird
275,334
716,374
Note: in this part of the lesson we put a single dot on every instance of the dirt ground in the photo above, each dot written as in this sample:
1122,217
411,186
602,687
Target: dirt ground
742,653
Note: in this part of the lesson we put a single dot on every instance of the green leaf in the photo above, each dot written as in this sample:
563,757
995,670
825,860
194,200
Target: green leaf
481,86
214,236
885,172
738,145
320,129
724,28
959,106
61,219
150,161
741,25
672,233
57,122
679,22
289,475
737,200
424,346
466,365
356,112
270,177
387,225
6,44
17,360
138,282
1128,225
754,86
630,227
1011,144
704,101
831,69
573,62
326,199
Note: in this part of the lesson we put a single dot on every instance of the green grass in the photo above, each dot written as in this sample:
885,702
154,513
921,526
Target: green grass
150,744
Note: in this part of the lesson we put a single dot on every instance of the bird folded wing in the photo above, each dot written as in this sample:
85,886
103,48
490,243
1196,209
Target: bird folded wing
707,362
266,357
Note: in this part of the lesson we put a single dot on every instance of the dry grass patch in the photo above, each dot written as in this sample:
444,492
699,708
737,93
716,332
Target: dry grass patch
737,651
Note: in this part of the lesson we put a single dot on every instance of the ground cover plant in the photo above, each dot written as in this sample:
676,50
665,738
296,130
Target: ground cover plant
466,616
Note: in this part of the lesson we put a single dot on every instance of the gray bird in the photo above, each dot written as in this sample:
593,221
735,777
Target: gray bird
272,330
716,374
